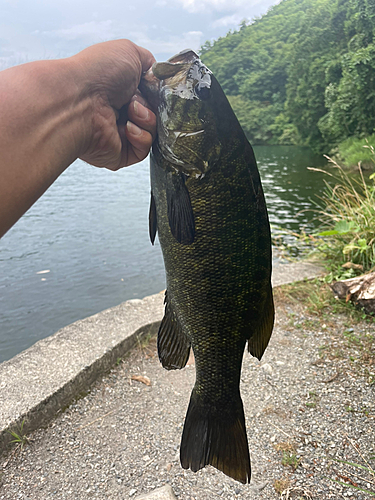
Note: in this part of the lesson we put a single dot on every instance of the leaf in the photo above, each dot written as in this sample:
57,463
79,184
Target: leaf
352,464
349,248
353,487
344,226
341,227
328,233
351,265
362,244
140,378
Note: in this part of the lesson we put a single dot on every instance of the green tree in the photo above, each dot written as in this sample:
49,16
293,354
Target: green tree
350,100
304,72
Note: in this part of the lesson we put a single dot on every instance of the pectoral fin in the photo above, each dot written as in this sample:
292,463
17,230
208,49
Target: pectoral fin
259,339
173,344
180,211
152,220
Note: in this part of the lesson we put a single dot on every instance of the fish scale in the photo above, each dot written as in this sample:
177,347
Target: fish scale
209,212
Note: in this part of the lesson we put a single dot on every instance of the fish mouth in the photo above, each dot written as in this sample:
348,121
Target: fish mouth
150,82
175,64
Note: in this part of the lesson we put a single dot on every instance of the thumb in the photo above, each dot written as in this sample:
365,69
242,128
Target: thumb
146,58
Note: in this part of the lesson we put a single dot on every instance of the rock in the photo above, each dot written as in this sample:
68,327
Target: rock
360,290
267,368
257,487
163,493
134,302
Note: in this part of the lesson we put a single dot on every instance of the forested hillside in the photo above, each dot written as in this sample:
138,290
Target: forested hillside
304,73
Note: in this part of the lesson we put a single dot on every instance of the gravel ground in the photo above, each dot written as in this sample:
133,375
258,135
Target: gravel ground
307,406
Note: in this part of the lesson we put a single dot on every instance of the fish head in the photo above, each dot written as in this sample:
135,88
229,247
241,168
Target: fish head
187,135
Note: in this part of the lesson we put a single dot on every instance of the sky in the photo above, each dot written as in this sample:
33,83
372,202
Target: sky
49,29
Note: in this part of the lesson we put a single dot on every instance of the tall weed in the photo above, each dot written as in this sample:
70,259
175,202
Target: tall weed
347,215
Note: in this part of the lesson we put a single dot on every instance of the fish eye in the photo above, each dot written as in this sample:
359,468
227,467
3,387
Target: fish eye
202,91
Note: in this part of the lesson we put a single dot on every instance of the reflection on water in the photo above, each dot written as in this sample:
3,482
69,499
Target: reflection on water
289,186
89,232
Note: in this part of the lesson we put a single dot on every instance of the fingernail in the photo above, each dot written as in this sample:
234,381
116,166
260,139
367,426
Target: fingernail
133,129
140,110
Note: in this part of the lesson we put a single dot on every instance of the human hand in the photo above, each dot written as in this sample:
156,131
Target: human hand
119,127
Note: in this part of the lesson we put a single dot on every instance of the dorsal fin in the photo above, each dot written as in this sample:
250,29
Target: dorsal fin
259,339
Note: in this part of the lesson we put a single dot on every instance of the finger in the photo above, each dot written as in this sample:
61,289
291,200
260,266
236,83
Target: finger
143,117
139,143
140,98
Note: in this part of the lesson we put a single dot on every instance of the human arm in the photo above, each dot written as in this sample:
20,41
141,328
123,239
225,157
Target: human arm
53,112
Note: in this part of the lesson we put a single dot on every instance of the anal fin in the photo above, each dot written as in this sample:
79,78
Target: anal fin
173,344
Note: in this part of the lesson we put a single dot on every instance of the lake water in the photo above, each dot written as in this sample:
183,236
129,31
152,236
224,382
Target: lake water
90,232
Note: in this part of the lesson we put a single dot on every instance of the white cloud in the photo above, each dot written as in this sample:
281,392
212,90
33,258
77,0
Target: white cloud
45,29
8,59
98,30
233,20
217,5
172,45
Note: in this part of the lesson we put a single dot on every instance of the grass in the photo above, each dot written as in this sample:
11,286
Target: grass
147,345
316,295
353,150
281,485
312,399
19,437
346,211
144,341
289,456
351,332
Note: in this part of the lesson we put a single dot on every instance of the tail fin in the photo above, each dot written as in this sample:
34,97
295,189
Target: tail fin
217,438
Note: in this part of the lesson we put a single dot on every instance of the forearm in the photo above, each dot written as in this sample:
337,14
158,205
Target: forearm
52,112
43,129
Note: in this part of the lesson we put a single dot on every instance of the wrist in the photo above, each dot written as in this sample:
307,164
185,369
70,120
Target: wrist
76,104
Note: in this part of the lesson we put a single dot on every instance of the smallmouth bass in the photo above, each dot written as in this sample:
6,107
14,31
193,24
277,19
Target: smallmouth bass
208,208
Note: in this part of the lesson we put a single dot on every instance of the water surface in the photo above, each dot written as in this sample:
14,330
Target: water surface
90,232
290,187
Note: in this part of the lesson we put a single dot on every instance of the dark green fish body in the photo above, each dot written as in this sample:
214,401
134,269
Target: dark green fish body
209,211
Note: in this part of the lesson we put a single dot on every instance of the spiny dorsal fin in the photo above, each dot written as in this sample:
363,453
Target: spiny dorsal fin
173,344
180,211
